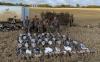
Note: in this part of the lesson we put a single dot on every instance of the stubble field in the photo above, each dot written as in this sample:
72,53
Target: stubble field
90,36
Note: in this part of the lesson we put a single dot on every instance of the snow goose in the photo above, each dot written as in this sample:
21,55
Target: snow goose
68,48
28,52
26,45
48,50
50,43
57,50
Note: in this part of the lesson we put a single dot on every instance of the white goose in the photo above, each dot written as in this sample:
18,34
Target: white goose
68,48
29,34
58,42
57,50
28,52
33,45
48,50
19,45
43,43
50,43
83,47
33,40
20,40
26,45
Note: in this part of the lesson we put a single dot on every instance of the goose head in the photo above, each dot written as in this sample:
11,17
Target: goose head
53,39
20,40
19,45
43,42
24,37
29,34
26,45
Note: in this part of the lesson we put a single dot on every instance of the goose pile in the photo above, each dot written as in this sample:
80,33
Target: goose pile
40,44
9,27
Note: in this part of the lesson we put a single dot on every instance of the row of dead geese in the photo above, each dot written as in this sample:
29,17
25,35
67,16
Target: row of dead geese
9,27
40,44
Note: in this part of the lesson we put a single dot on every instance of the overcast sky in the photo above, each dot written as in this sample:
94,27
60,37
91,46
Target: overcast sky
57,2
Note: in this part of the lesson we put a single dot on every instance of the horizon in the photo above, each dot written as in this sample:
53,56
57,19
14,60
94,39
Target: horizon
56,2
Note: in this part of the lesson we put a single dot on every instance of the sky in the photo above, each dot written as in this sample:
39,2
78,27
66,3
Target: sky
56,2
15,9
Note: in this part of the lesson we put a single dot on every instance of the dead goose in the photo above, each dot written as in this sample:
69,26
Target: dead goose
57,50
20,40
39,41
19,45
18,50
28,52
23,39
64,37
37,52
58,42
75,42
46,39
54,39
68,48
47,35
66,43
29,34
48,50
50,42
33,40
26,45
83,47
43,43
33,45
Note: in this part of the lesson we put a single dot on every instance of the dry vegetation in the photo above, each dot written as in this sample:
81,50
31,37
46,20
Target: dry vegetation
90,36
5,15
83,16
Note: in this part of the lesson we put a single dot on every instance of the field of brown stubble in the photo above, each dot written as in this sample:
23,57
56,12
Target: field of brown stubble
90,36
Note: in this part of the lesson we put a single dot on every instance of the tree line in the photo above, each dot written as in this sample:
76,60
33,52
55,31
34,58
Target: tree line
69,6
50,6
13,4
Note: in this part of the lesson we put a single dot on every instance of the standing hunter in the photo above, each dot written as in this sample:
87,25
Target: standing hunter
26,24
13,23
55,24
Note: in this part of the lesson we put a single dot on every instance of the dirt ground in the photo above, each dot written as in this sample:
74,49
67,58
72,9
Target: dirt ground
90,36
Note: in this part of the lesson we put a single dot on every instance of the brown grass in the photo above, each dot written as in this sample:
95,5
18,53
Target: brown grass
82,16
90,36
